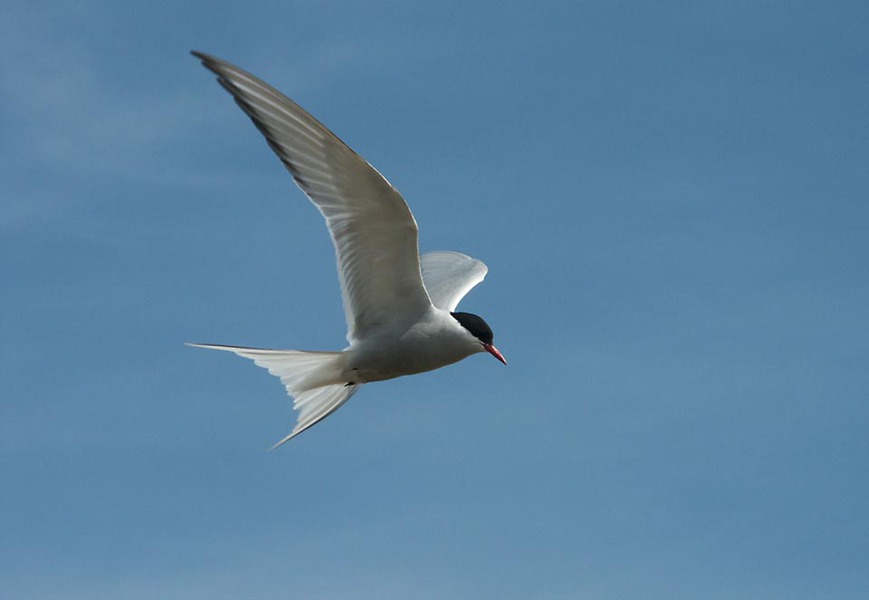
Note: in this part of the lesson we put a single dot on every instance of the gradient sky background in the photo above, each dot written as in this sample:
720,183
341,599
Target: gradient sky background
672,198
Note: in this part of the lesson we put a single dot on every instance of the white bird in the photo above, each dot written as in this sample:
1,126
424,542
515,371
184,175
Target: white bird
399,306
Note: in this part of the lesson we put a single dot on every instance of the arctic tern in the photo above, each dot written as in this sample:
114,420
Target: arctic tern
400,307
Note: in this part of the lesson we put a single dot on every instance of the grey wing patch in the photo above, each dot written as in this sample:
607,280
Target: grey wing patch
449,276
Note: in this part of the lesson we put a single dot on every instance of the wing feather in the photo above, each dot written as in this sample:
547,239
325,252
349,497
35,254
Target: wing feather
373,231
448,276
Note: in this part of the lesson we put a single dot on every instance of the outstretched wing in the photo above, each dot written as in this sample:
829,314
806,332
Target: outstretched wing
372,229
448,276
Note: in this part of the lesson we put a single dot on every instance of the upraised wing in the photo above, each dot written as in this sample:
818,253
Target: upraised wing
448,276
373,231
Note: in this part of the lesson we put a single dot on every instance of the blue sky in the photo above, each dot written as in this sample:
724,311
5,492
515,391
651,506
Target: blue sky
672,201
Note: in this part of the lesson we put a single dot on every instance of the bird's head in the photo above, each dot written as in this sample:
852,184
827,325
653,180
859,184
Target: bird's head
480,330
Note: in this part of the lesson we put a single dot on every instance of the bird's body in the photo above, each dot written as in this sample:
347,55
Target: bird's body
433,341
399,306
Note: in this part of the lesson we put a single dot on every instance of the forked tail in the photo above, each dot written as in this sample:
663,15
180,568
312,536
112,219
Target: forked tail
312,379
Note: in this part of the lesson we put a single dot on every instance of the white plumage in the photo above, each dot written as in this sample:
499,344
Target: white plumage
398,307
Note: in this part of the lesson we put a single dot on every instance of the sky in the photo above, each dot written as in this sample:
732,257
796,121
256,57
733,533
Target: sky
672,199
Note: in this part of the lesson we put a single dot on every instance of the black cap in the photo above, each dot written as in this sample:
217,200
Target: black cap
476,325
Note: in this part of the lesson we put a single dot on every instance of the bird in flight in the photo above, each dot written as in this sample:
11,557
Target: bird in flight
400,307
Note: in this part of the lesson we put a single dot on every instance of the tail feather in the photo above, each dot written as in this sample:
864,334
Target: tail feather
312,379
317,404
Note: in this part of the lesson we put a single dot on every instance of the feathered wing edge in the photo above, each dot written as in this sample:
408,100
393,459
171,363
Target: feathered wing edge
368,219
448,276
312,379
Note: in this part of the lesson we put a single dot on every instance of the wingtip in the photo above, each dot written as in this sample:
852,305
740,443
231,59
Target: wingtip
207,60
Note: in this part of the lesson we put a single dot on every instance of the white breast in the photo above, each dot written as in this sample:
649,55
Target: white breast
433,341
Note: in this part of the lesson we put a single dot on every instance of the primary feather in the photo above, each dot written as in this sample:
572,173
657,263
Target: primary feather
359,204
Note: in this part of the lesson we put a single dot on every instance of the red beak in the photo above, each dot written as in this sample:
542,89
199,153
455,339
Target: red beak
494,352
